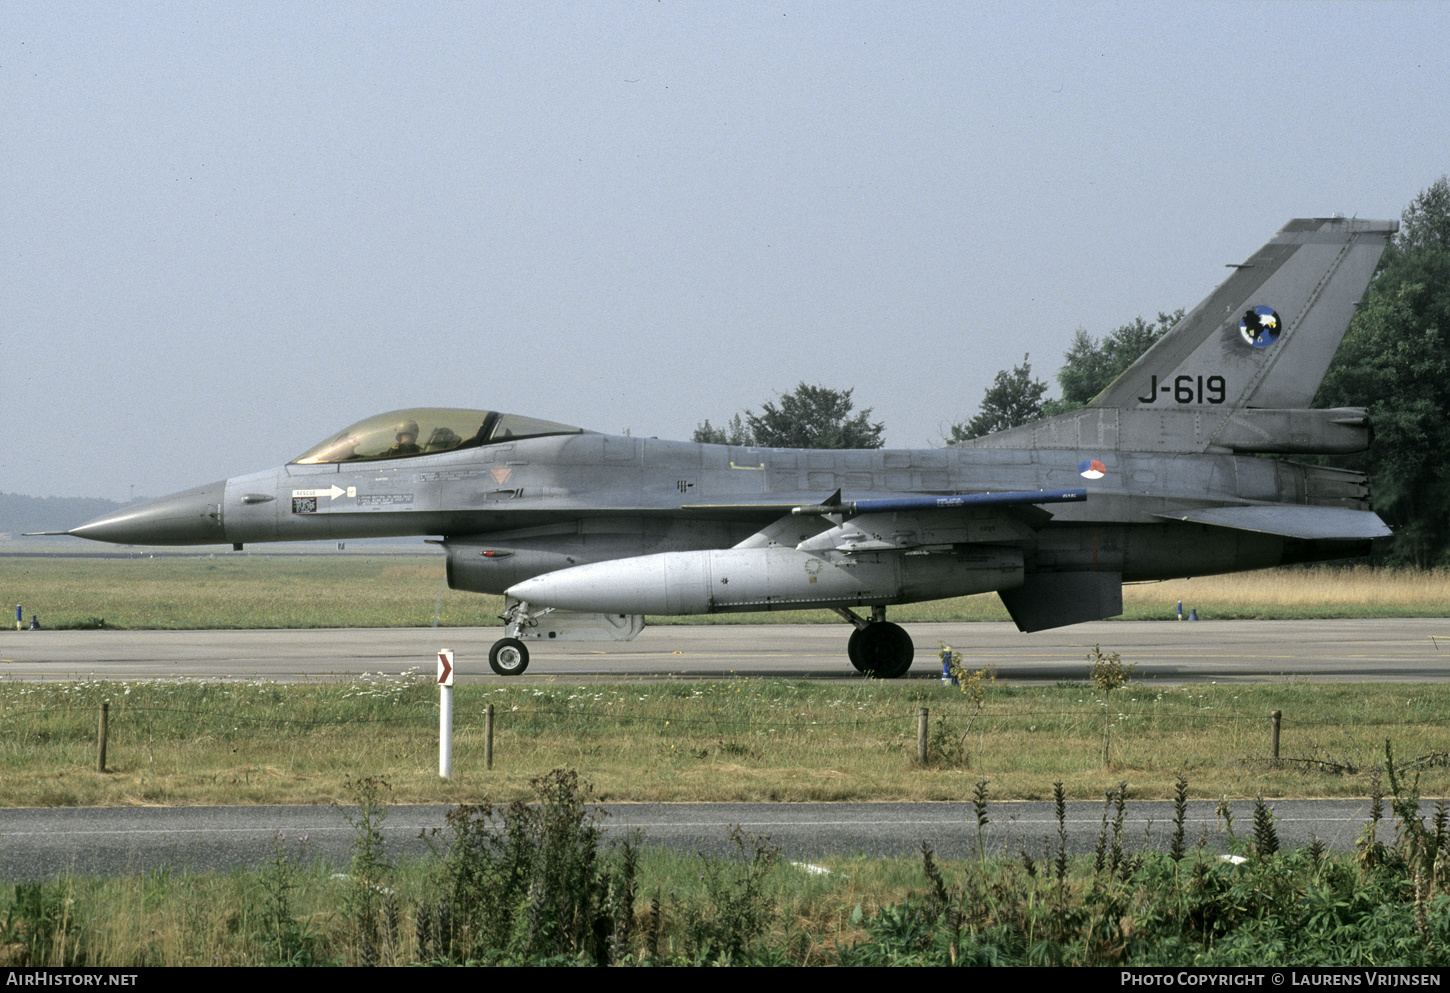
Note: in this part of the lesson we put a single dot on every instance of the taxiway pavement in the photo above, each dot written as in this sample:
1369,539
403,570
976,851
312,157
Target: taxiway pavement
1401,649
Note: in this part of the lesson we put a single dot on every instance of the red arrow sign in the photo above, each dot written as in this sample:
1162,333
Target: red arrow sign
445,668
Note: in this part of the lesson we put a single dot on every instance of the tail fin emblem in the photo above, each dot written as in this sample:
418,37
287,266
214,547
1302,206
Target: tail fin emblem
1260,326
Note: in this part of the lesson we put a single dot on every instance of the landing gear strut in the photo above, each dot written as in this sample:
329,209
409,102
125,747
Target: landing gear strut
509,656
524,622
877,647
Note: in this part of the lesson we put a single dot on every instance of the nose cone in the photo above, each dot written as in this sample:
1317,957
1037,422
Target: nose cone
193,517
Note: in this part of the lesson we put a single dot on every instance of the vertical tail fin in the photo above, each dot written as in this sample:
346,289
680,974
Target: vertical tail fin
1236,374
1266,335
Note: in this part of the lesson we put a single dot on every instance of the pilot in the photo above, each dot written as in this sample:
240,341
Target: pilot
406,438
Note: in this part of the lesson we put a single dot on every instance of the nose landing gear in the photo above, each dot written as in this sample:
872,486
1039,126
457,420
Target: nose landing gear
508,657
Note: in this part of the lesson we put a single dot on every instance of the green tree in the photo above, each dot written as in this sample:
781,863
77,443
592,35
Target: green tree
1013,398
1425,224
734,433
814,417
1395,361
810,417
1092,363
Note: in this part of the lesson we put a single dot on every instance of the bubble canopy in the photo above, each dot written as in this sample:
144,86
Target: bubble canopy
426,431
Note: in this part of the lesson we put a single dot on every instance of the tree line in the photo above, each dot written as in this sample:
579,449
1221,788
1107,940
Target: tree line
809,417
1395,361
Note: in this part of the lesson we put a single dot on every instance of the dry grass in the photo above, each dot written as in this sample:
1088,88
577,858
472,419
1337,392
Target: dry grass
1324,591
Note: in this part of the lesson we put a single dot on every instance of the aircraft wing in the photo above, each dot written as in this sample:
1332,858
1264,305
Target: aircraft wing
912,523
1307,523
908,532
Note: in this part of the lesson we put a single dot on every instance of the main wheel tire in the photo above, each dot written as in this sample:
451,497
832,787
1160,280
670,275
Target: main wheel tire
881,649
508,657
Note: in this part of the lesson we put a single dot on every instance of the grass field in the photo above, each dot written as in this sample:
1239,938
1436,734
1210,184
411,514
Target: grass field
742,740
240,591
244,590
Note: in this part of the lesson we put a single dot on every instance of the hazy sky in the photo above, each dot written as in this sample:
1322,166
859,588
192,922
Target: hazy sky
231,229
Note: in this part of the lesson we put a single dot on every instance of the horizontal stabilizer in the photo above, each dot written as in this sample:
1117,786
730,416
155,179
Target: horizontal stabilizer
1308,523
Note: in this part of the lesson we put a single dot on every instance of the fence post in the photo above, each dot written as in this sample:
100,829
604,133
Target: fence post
101,738
488,737
1275,718
921,735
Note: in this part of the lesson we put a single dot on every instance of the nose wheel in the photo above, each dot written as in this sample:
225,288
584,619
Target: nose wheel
508,657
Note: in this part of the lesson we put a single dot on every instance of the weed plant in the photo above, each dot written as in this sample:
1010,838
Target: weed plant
1107,672
282,938
39,927
370,905
726,926
1386,906
530,882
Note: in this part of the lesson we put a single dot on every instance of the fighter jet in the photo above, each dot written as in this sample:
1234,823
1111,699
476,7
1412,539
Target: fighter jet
1160,476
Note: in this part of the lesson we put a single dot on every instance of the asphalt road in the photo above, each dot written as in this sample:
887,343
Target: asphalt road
1414,650
119,840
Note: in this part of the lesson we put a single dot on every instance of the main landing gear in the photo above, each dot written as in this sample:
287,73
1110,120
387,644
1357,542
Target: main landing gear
877,647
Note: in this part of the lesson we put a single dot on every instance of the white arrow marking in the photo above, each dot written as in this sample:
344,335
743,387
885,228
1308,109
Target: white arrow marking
331,493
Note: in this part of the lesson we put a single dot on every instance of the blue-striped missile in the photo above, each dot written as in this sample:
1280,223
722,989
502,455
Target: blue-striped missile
1016,498
741,579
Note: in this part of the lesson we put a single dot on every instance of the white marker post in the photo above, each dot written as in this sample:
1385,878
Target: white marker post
445,713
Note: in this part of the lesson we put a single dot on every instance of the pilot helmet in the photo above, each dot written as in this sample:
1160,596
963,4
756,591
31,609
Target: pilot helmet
408,428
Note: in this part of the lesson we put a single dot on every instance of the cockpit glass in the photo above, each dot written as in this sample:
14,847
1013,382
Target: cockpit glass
425,431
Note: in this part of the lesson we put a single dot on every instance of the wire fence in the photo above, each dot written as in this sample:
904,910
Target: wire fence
1338,740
